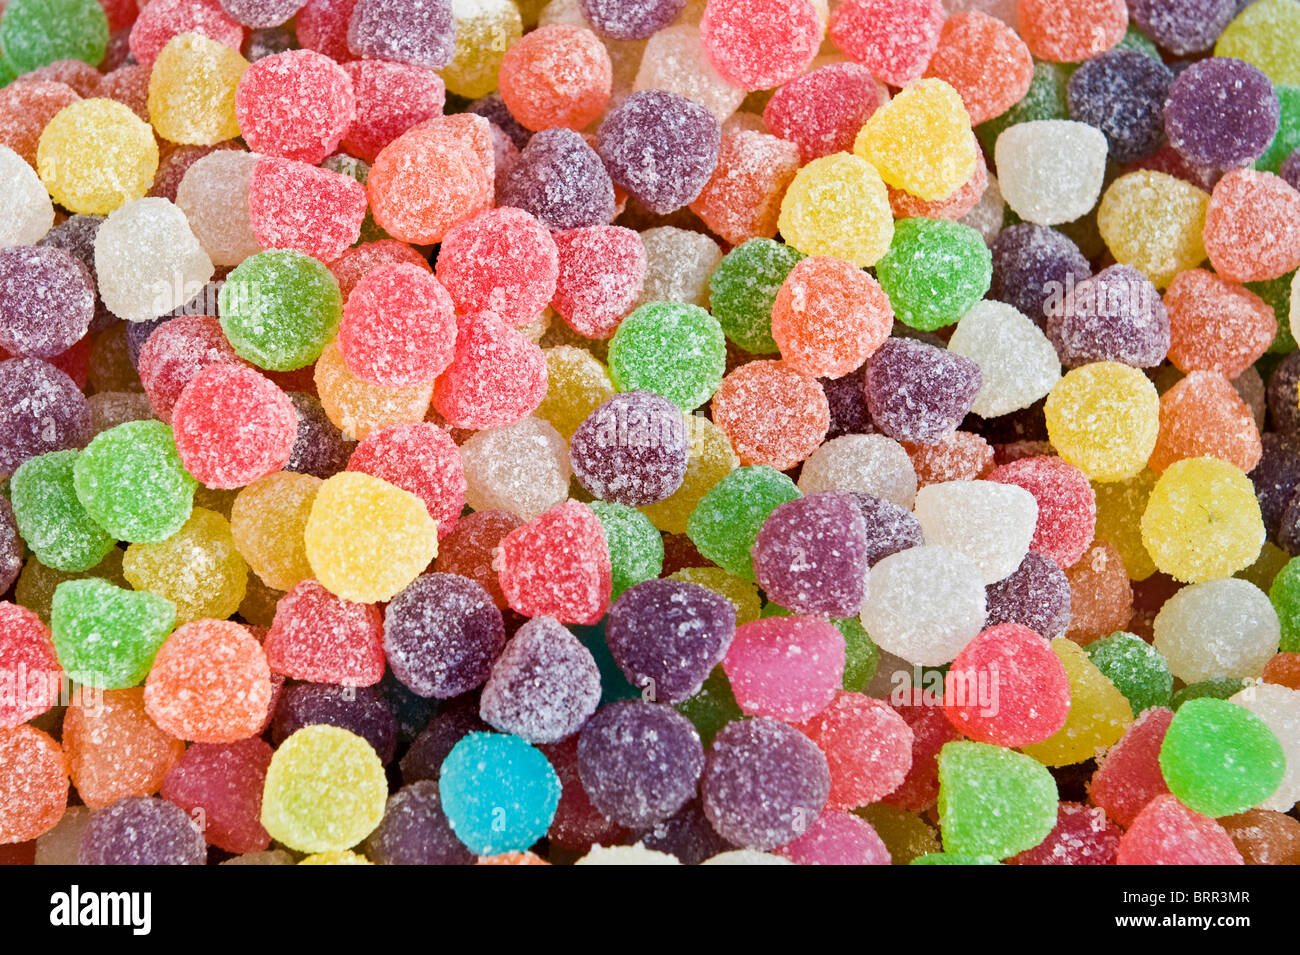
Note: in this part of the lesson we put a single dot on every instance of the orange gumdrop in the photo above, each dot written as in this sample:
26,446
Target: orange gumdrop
1252,226
742,199
1071,31
33,783
1101,597
471,547
771,414
829,317
114,749
985,61
960,456
1203,416
1216,324
1264,837
1284,670
904,205
26,108
557,75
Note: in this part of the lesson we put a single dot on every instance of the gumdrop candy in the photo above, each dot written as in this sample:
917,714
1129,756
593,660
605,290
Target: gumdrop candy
600,277
114,749
868,748
95,155
631,450
50,518
28,212
408,31
1221,112
1219,758
419,458
1276,708
822,111
543,686
521,468
1035,182
1017,363
1098,716
359,409
1070,31
556,76
828,317
838,205
267,520
1123,93
1219,628
917,392
932,631
811,555
560,180
558,565
1215,324
502,260
192,89
894,39
48,301
292,205
670,349
1007,687
398,327
1104,418
322,638
785,667
1250,226
659,147
361,710
496,377
993,801
772,414
928,111
727,520
1202,521
759,44
142,831
1128,776
279,309
1082,836
198,568
990,523
499,793
30,662
222,784
1116,315
1154,222
1203,416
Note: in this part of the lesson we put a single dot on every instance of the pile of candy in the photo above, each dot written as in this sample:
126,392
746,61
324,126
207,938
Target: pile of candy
649,431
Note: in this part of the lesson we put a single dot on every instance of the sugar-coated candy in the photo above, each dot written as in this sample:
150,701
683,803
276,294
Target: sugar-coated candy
1018,365
632,449
26,207
985,61
499,793
419,458
630,21
990,523
213,194
496,376
521,468
142,831
1221,112
600,277
868,748
822,111
222,783
560,180
894,39
543,686
322,638
828,316
659,147
870,464
1115,315
279,308
1154,222
577,383
786,668
415,831
502,260
48,301
556,76
1067,505
148,260
1183,26
1070,32
743,290
1250,226
95,155
917,392
28,656
558,565
442,634
1013,665
1104,418
358,408
759,44
772,414
170,18
727,520
1082,836
1275,705
811,555
1123,93
1128,776
198,568
934,272
1166,832
408,31
1036,183
1216,324
398,327
679,264
670,349
114,749
1202,521
930,112
131,481
932,631
838,205
192,90
267,519
28,107
1219,758
1203,416
35,34
993,801
1101,597
838,838
686,835
742,198
1032,264
51,519
363,711
292,205
34,786
674,60
1223,627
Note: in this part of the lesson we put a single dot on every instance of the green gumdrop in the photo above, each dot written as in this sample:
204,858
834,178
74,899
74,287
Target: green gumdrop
954,858
1135,667
636,549
993,801
614,685
279,309
672,349
1219,758
861,656
1284,594
7,73
1215,688
726,521
742,290
131,482
1277,293
105,636
1287,139
51,520
712,708
1046,99
36,33
934,272
1135,39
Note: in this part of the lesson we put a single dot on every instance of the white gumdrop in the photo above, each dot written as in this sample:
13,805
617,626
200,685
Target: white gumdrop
678,265
1017,362
522,468
148,260
924,604
1279,708
989,522
1050,170
213,194
868,463
26,212
746,857
627,855
1223,627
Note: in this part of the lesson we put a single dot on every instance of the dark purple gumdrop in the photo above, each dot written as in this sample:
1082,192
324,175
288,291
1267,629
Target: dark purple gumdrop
848,405
1183,26
660,147
419,32
424,758
11,546
668,635
1222,112
917,392
414,831
889,527
687,835
1035,595
1122,93
639,762
362,710
1290,171
1276,477
764,783
1032,265
1117,315
544,685
76,234
1288,526
811,555
261,13
630,19
560,180
631,450
141,830
493,108
1283,408
47,299
442,634
41,409
137,333
320,448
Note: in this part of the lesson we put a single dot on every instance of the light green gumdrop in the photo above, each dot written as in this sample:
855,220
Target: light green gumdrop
1135,39
934,272
636,549
1215,688
279,309
36,33
1284,594
993,801
1135,667
1287,139
1046,99
742,290
51,520
106,636
713,707
726,521
1277,293
954,858
861,655
1219,758
131,482
1266,34
672,349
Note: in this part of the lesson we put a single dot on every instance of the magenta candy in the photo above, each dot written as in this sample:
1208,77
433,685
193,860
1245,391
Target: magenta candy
787,668
811,555
47,301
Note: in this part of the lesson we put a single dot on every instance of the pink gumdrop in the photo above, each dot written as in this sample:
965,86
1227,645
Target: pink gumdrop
497,377
1168,833
391,98
293,205
422,459
601,273
220,786
160,20
758,44
1129,775
867,745
174,353
1067,505
931,729
503,261
894,39
821,112
1082,836
295,105
349,268
837,838
557,565
321,638
398,328
28,660
787,668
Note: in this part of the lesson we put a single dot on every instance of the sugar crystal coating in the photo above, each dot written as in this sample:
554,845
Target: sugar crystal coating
1220,758
520,468
557,565
786,668
148,260
415,831
916,392
993,801
543,686
1217,628
321,638
442,634
360,710
142,831
1221,112
932,631
989,523
498,792
1202,521
758,44
631,450
560,180
1122,93
1034,181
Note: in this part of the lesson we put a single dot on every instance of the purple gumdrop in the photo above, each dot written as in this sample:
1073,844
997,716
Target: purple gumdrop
419,32
764,783
544,685
11,546
493,108
810,555
1283,409
76,234
414,831
889,527
1222,112
1122,93
1288,526
1290,171
917,392
141,830
631,450
1032,266
137,333
41,409
1035,595
1117,315
362,710
47,299
668,635
660,147
1183,26
630,19
320,449
687,835
424,758
261,13
639,762
560,180
442,634
1276,477
848,405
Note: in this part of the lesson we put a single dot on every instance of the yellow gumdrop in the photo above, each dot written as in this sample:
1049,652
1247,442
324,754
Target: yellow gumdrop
485,29
268,519
1266,35
576,384
366,539
192,91
95,155
1103,418
921,141
1154,222
742,594
1119,520
1202,521
905,834
838,205
198,568
336,857
1099,713
358,408
709,459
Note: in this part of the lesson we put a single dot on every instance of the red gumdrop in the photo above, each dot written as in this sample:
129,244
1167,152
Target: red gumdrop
319,637
557,565
894,39
322,25
758,44
28,660
160,20
398,327
175,352
601,272
233,426
868,747
1128,776
220,786
787,668
420,458
295,105
391,98
1067,505
497,377
503,261
349,268
1082,836
821,112
292,205
577,824
931,729
471,546
1168,833
837,838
